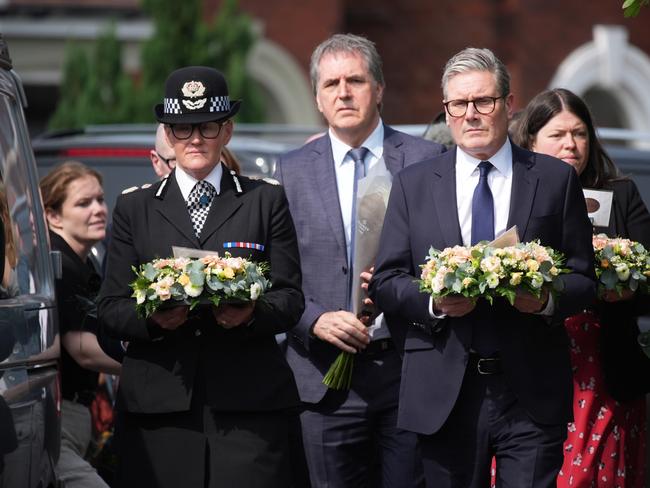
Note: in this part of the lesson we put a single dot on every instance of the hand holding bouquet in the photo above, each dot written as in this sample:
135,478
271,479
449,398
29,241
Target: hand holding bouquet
621,265
488,272
209,279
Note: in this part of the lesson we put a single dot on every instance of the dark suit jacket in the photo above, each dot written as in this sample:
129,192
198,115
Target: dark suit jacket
546,204
244,368
625,366
310,182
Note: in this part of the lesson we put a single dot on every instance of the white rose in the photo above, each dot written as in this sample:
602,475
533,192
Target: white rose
140,296
492,280
256,290
193,291
623,272
437,283
536,280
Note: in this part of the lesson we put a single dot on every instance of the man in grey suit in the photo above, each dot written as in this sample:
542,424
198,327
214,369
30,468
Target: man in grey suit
350,437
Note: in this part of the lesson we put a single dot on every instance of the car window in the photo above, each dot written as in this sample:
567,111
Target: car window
24,273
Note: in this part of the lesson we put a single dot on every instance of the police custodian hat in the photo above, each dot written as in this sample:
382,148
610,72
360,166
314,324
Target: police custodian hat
195,94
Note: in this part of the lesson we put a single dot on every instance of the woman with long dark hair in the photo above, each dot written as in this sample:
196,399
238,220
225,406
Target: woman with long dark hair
606,442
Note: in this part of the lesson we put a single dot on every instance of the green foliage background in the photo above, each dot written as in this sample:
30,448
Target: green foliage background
95,89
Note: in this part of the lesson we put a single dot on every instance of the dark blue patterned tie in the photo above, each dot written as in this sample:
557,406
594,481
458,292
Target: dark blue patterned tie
484,335
483,207
358,155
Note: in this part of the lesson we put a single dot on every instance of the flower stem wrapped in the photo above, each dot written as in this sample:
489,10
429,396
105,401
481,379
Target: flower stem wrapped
339,376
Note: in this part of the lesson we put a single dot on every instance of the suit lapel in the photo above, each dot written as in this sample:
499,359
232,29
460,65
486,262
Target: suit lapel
524,186
393,156
172,207
223,206
443,192
322,163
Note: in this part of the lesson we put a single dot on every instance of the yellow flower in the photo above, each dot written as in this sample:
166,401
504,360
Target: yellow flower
183,279
467,282
228,273
515,278
532,265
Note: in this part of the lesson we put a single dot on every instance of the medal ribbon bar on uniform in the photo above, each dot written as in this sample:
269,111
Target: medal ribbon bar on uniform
246,245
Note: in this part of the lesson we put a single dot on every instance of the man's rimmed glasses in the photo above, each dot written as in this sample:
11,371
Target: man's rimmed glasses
483,105
208,130
170,162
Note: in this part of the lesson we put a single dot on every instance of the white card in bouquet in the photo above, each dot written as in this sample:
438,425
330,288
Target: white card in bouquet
599,206
372,198
189,252
508,238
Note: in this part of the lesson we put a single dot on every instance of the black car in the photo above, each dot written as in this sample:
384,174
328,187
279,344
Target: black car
30,394
121,153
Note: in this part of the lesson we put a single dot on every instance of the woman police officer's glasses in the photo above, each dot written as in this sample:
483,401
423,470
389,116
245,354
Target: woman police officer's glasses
483,105
208,130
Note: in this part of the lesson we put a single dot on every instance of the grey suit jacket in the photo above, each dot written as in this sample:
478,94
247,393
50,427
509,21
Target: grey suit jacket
309,180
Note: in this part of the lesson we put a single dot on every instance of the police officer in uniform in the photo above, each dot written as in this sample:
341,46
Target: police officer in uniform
205,397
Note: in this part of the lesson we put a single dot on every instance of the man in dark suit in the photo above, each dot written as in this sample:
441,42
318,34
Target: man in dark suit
481,381
204,395
350,437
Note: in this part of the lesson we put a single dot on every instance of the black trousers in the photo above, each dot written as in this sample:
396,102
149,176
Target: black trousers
488,421
204,448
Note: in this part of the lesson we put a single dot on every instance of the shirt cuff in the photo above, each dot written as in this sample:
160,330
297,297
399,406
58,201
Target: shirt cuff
549,309
432,314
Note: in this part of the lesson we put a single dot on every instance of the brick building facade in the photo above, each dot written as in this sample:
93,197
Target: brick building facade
416,37
543,42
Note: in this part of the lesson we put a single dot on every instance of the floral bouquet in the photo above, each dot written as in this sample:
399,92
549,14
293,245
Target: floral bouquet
621,264
488,272
209,279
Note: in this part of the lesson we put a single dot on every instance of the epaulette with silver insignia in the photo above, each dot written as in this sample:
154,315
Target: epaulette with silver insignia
161,189
235,180
271,181
134,188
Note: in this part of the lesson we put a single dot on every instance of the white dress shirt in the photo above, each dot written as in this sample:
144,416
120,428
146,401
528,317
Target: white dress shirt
344,169
499,181
186,181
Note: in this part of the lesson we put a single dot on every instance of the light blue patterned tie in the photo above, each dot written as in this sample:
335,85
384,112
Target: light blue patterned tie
358,155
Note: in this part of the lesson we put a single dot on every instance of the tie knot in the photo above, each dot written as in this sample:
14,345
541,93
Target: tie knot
201,194
485,167
358,154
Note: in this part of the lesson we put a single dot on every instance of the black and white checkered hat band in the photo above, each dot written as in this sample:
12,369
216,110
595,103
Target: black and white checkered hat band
217,104
171,106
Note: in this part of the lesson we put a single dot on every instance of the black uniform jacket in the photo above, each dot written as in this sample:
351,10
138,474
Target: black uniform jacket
242,368
625,366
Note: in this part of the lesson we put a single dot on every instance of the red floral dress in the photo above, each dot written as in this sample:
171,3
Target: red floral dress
605,446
